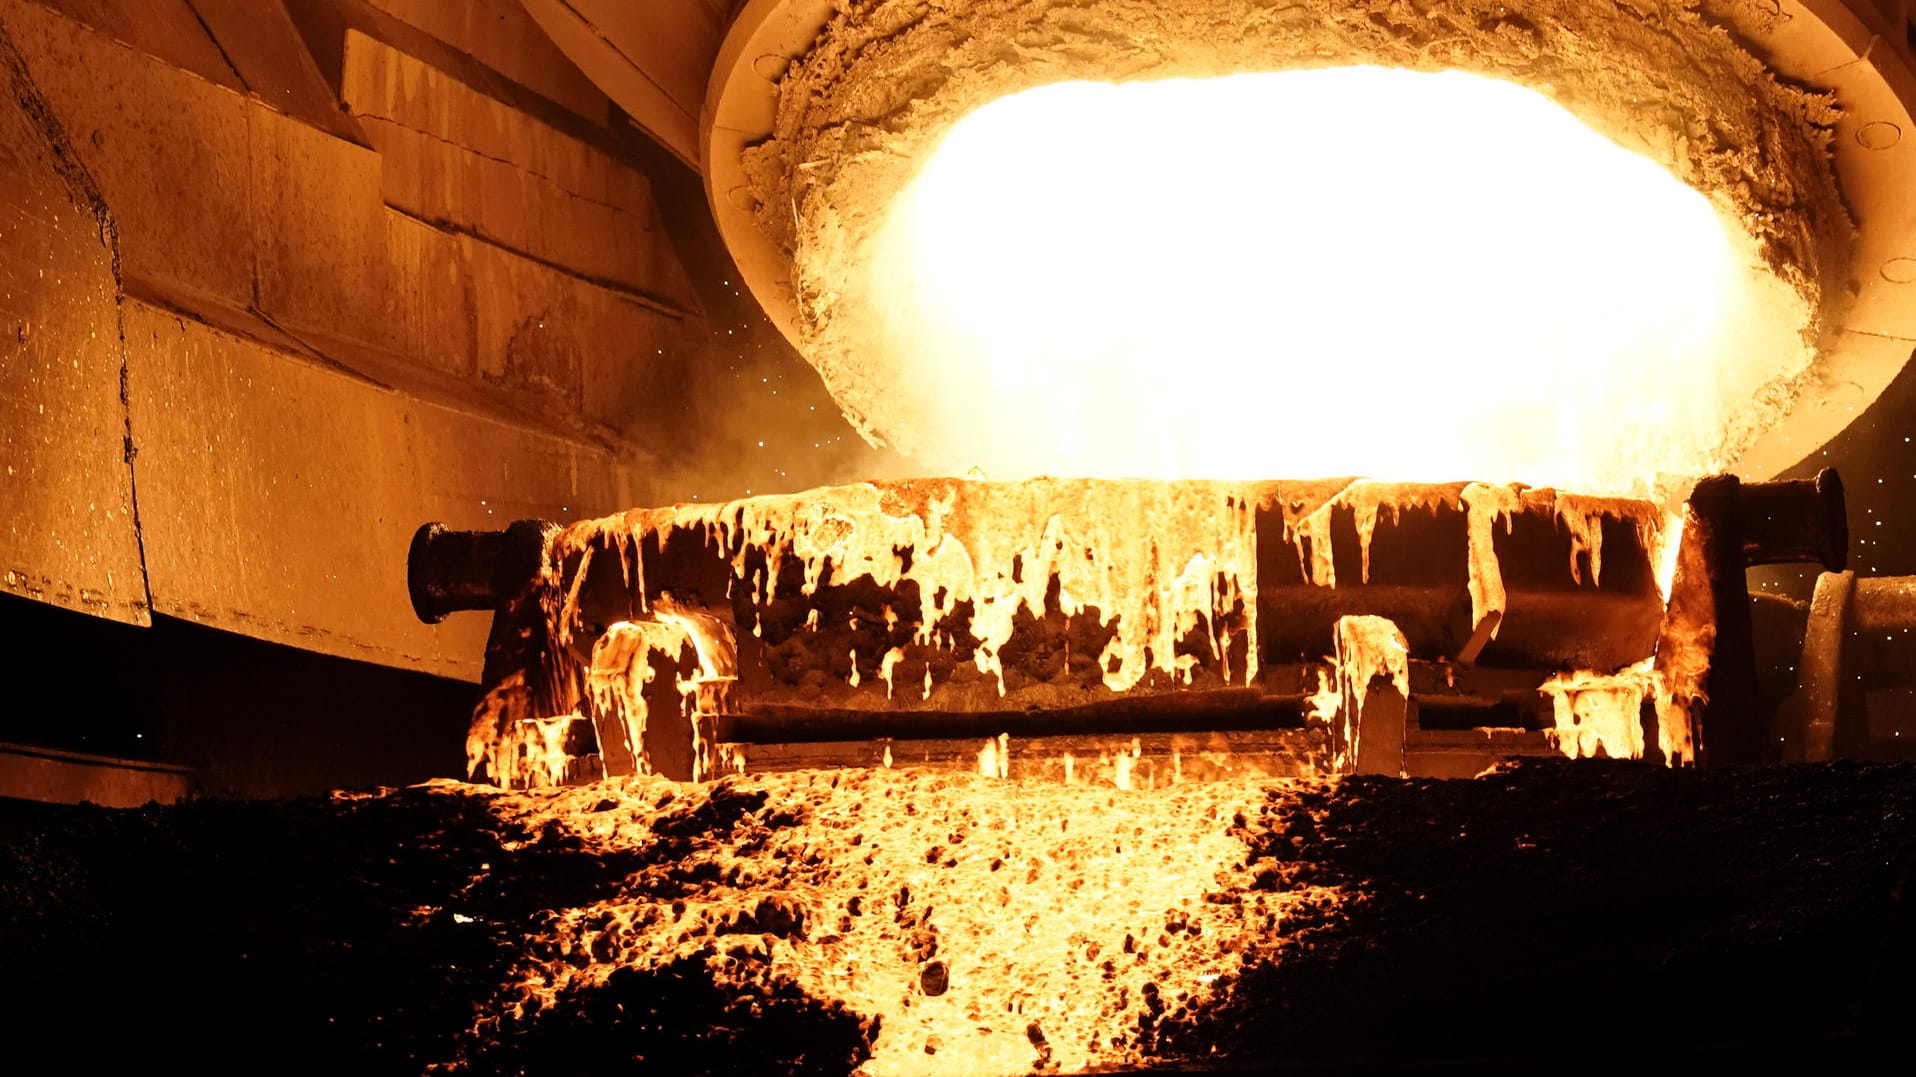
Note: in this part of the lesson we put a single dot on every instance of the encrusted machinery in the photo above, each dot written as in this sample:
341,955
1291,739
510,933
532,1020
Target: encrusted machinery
1133,632
1856,678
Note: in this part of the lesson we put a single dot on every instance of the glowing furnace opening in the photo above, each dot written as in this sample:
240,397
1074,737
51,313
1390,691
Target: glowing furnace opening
1346,271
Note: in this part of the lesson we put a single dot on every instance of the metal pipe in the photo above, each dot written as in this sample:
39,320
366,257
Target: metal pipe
1735,525
448,571
1794,521
1231,709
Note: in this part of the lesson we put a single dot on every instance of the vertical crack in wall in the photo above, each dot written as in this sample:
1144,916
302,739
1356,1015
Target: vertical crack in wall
85,193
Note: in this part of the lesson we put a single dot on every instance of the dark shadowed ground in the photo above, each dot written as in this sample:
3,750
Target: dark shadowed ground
1554,915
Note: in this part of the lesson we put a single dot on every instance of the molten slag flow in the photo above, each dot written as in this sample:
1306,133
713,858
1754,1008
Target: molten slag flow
978,927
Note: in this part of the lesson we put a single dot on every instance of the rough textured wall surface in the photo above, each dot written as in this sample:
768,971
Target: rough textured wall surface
67,532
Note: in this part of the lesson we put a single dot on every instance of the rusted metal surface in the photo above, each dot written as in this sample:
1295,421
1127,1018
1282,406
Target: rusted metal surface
1856,684
1732,526
67,529
1218,710
1808,718
1139,760
1794,521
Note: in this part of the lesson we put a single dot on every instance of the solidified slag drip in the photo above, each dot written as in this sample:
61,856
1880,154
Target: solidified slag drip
1144,586
1604,714
1612,714
1369,649
1311,533
1155,560
1595,712
513,744
998,552
1485,506
1601,714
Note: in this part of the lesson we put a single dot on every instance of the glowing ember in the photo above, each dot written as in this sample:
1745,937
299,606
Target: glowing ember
1317,272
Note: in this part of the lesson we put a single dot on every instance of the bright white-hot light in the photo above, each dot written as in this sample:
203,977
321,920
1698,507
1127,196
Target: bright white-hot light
1352,271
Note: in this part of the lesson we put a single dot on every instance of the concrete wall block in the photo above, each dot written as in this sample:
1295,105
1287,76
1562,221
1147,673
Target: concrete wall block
531,326
278,497
168,149
380,81
499,34
637,382
633,359
67,534
548,332
657,69
325,261
457,156
434,290
506,209
528,213
167,29
259,39
645,247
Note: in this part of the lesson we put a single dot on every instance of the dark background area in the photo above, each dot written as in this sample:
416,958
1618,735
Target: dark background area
248,716
1876,456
